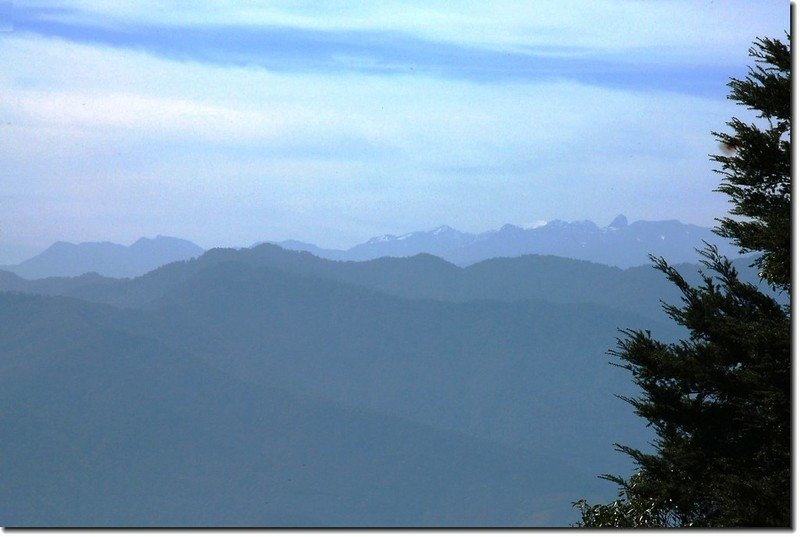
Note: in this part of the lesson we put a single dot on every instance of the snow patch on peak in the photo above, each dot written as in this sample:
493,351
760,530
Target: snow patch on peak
442,229
535,224
382,238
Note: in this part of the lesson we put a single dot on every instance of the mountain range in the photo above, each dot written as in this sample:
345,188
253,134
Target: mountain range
423,276
619,244
242,395
270,387
105,258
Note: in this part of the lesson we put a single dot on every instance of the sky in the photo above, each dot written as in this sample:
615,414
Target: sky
229,123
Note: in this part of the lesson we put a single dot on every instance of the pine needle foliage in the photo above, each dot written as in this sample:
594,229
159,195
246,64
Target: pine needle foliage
720,400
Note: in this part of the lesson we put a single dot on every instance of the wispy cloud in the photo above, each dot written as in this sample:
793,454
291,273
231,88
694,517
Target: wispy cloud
702,30
364,49
234,123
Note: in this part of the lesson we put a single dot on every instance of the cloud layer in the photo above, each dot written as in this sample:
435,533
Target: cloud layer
231,125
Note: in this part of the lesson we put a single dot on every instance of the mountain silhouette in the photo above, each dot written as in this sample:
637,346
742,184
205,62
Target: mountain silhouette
106,258
270,387
531,277
619,244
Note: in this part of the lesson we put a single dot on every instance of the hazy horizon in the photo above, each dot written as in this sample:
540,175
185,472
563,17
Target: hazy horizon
228,125
507,281
13,253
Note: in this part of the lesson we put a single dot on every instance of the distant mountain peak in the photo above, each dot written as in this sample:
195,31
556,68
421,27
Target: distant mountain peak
535,224
142,241
619,222
106,258
619,244
442,229
160,238
588,224
381,238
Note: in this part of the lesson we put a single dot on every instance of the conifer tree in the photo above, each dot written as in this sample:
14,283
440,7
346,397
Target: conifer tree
757,169
720,400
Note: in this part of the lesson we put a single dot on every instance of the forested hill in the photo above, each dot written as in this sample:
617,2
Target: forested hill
530,277
267,387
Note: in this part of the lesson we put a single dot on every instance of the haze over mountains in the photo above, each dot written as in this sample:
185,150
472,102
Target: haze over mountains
105,258
271,387
11,253
105,424
435,378
619,244
236,393
423,276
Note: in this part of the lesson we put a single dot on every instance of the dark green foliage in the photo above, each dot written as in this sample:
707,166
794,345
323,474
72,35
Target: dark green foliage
632,510
758,167
719,402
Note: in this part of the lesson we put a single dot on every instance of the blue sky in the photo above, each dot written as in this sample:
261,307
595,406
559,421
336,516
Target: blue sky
331,122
